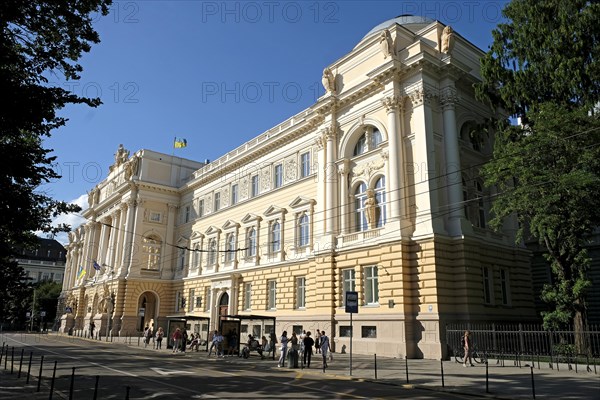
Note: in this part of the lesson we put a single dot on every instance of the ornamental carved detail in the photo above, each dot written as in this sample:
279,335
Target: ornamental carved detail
448,97
368,169
391,103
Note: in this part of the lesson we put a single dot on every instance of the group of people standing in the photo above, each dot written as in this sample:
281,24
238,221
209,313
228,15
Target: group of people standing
302,345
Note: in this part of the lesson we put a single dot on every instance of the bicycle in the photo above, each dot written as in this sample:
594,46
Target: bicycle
478,357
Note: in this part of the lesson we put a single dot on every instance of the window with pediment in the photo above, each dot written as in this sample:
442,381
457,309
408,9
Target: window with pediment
251,242
230,247
212,251
275,237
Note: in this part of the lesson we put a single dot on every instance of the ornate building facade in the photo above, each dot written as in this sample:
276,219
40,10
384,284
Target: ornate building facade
373,189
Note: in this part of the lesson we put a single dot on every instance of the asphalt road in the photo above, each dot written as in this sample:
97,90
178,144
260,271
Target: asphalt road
151,374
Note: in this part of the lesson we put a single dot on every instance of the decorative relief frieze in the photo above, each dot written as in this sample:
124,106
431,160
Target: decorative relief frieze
265,179
244,188
368,169
291,169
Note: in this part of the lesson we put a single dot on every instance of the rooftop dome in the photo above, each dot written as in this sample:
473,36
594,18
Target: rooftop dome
411,22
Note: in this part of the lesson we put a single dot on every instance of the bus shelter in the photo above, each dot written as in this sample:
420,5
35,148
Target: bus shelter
230,322
185,322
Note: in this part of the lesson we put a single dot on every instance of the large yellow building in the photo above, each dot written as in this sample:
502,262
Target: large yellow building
373,189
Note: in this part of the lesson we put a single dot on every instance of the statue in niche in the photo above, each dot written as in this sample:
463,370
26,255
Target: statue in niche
447,40
328,81
371,209
72,302
386,43
121,156
104,300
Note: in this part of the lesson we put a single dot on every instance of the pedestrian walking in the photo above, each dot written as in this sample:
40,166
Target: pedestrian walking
176,340
159,337
284,343
324,347
308,349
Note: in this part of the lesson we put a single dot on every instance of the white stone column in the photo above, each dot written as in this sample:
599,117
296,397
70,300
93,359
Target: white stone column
103,244
114,238
448,99
344,210
330,135
128,235
166,261
393,181
120,242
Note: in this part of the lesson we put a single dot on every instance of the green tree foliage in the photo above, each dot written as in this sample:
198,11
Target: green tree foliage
46,299
548,173
37,38
544,67
548,51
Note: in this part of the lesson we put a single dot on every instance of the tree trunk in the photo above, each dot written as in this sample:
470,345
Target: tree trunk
579,326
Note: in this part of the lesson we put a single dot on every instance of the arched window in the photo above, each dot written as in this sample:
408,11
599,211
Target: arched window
361,145
152,249
275,237
303,230
212,251
480,205
360,218
375,139
251,243
230,247
380,198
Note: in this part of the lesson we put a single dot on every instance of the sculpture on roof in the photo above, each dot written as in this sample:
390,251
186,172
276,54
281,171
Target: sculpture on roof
328,81
121,156
387,44
447,40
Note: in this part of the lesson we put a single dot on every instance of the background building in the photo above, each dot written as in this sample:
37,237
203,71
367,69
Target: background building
373,189
45,263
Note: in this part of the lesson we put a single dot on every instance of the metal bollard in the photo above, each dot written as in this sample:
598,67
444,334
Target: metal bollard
29,367
21,363
532,382
375,356
2,353
52,382
6,357
487,378
442,370
96,387
40,375
72,383
406,364
127,392
12,360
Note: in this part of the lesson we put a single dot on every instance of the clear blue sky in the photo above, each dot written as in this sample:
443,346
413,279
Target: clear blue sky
216,73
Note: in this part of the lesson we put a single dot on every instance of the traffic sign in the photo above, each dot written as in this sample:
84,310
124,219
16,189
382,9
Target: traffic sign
352,302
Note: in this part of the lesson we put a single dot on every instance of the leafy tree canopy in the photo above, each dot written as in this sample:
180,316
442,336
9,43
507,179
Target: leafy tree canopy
544,67
548,51
37,38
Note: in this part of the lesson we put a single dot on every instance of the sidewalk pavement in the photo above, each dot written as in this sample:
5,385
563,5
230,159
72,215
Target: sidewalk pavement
508,381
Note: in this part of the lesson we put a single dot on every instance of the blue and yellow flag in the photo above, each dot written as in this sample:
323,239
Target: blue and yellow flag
81,272
180,143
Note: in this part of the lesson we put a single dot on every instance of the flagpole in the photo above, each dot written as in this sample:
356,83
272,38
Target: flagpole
173,147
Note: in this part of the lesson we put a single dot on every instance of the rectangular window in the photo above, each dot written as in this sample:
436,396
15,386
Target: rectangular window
181,262
199,302
58,278
254,189
200,208
297,329
371,285
272,292
217,201
301,292
234,194
487,285
191,302
247,296
369,332
177,301
187,214
45,277
304,165
39,277
51,276
278,176
348,283
345,330
504,284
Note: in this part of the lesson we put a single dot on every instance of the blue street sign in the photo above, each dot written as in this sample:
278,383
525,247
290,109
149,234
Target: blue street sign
352,302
